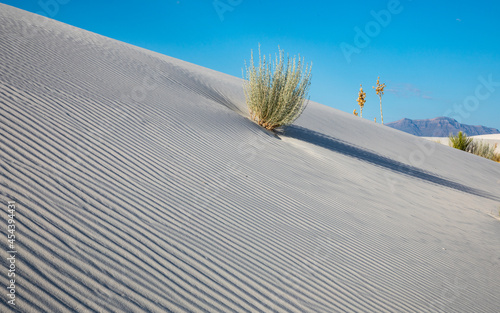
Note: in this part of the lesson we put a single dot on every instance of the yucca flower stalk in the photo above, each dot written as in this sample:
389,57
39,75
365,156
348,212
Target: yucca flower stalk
361,100
276,93
380,92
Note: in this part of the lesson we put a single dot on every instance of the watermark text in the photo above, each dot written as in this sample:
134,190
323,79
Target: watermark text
12,253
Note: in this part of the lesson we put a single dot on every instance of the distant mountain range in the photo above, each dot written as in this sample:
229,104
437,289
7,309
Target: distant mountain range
439,127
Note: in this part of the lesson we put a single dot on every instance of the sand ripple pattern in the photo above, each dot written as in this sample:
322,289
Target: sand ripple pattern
142,187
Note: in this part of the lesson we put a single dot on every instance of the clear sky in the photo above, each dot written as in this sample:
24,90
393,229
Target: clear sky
437,58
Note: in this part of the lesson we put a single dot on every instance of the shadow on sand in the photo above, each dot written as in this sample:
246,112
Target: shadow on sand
365,155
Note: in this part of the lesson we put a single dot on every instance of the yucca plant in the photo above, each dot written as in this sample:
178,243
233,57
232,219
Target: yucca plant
461,142
276,93
380,92
361,100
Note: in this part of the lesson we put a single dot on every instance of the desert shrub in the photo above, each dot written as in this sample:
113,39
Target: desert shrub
496,157
461,142
276,93
477,147
483,149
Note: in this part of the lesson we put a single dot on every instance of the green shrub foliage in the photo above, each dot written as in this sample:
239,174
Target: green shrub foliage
276,93
461,142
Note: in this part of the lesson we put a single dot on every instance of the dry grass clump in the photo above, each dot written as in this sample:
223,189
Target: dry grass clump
477,147
483,149
496,157
276,93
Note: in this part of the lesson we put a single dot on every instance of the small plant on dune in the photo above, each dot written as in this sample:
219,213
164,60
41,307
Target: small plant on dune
380,92
477,147
276,93
496,157
355,113
361,100
483,149
461,142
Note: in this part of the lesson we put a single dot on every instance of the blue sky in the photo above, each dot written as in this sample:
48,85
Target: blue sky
437,58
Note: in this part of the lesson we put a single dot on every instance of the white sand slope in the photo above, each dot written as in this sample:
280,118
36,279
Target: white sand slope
141,186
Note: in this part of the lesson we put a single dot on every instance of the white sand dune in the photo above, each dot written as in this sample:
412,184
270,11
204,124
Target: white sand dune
141,186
